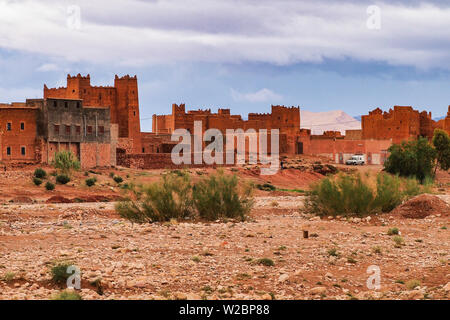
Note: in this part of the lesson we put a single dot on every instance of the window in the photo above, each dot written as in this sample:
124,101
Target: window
56,129
23,151
8,151
89,129
9,126
134,113
54,104
67,129
78,129
100,96
78,105
101,129
143,150
22,126
66,104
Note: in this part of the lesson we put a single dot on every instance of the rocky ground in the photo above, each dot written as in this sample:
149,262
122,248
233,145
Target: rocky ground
119,260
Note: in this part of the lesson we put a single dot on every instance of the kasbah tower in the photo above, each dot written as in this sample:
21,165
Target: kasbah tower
122,100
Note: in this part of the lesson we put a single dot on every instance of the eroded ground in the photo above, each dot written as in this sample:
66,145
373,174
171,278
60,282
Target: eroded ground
216,260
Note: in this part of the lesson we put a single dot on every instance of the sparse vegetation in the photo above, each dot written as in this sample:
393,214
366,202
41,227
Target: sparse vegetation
40,173
49,186
398,241
412,284
393,231
62,179
266,187
65,162
265,262
91,182
67,295
356,195
9,276
37,181
118,179
59,272
219,196
332,252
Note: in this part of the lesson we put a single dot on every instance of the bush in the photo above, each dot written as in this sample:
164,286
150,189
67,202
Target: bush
37,181
49,186
389,194
219,196
265,262
351,195
66,161
90,182
118,179
266,187
59,272
67,295
411,158
393,231
40,173
345,195
162,201
62,179
441,142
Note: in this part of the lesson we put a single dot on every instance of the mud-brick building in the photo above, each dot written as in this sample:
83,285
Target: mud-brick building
65,124
18,130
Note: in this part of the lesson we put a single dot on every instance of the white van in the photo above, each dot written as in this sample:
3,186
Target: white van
355,160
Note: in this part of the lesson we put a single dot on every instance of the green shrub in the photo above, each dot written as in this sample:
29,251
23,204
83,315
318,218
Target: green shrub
66,161
37,181
118,179
162,201
59,272
67,295
265,262
266,187
49,186
219,196
90,182
345,195
393,231
441,143
62,179
40,173
389,194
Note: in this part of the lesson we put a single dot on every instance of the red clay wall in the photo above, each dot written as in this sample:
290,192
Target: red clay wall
16,138
95,155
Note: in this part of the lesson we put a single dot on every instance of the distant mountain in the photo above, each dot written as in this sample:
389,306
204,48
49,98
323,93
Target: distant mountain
358,118
336,120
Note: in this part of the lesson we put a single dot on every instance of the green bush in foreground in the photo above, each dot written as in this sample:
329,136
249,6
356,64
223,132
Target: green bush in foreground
161,201
353,195
66,161
175,197
37,181
118,179
219,196
59,272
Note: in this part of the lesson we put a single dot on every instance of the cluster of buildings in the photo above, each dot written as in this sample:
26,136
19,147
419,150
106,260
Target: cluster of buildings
101,125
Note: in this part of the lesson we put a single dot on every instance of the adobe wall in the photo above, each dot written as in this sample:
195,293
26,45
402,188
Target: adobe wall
17,138
353,134
95,155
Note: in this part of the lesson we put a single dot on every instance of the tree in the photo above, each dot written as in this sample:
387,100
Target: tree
411,158
441,142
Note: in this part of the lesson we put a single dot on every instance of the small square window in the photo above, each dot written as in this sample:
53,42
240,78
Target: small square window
23,151
78,129
143,150
56,128
22,126
8,151
89,129
67,129
101,129
9,126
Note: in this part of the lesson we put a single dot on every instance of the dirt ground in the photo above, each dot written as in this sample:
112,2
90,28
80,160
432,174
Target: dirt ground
186,260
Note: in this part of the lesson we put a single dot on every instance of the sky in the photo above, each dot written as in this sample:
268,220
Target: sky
244,55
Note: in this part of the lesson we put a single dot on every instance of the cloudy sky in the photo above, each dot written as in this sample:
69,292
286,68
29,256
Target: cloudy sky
241,54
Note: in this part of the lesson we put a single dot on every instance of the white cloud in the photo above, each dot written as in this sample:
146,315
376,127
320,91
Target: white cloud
9,95
46,67
263,95
279,32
